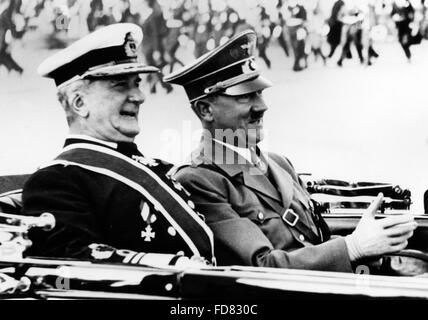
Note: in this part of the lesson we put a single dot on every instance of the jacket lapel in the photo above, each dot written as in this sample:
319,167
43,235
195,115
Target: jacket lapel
237,168
280,169
284,182
261,184
234,165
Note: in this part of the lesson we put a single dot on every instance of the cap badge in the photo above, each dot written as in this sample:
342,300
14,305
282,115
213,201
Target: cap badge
246,47
249,66
130,46
242,51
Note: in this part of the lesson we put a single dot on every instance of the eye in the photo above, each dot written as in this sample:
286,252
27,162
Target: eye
245,98
119,84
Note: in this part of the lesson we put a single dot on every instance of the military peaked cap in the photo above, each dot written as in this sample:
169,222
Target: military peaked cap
108,51
230,69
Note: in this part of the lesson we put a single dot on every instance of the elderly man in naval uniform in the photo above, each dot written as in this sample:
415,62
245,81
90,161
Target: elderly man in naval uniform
103,192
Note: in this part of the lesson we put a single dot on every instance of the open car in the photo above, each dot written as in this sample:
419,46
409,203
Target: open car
161,276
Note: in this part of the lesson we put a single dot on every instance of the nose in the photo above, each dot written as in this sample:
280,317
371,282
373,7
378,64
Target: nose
259,104
136,96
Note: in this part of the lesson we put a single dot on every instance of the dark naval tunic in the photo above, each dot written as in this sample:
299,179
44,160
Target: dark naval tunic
93,208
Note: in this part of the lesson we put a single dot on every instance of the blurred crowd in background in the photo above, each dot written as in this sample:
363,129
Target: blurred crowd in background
308,31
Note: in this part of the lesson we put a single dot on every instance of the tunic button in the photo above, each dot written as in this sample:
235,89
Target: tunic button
260,215
302,237
172,231
191,204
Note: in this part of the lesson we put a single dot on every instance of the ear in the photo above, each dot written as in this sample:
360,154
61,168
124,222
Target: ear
203,108
79,106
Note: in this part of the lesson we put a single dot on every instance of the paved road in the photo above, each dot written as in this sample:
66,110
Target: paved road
354,123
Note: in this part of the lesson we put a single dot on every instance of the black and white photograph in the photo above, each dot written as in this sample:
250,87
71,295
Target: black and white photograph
214,155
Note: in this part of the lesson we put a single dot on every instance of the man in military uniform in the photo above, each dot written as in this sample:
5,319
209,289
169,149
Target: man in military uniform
100,188
254,202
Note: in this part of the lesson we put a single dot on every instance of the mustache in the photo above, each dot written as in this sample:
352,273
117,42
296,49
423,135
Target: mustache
256,115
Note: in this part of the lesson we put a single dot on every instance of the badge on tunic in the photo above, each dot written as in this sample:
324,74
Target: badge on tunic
145,211
147,234
177,185
146,161
148,218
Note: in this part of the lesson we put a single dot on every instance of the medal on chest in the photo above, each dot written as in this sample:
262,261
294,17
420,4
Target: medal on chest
148,217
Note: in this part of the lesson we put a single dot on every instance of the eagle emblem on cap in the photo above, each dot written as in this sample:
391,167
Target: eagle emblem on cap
246,47
130,46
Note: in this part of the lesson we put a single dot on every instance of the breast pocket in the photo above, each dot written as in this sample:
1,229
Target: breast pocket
262,217
271,224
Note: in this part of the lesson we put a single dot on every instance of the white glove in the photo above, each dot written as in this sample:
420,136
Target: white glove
373,237
194,262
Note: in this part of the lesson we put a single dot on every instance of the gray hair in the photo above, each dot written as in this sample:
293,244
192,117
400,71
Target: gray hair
66,95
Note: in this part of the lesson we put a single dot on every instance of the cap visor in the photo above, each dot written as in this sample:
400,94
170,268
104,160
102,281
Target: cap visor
119,69
256,84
